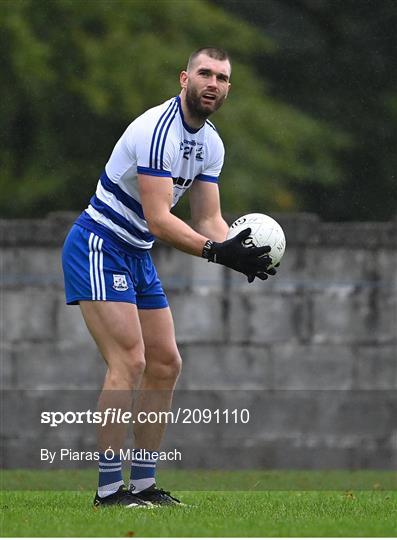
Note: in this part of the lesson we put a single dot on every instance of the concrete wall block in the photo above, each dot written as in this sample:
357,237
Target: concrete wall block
343,316
318,343
283,412
299,228
382,455
290,276
371,235
7,371
173,267
321,456
311,367
386,261
58,365
70,325
266,318
376,367
179,271
29,314
28,266
23,410
225,366
345,267
369,414
341,416
198,317
20,417
206,276
288,454
50,231
383,314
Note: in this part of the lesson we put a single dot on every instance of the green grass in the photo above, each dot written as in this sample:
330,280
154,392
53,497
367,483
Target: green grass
211,513
208,480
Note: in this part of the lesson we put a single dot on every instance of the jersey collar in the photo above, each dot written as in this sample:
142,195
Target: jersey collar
186,126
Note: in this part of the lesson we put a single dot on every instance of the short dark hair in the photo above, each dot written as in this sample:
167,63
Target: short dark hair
212,52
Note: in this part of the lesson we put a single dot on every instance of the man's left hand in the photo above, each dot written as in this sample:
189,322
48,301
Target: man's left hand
263,274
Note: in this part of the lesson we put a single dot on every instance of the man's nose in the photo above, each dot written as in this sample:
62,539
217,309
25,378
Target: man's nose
213,81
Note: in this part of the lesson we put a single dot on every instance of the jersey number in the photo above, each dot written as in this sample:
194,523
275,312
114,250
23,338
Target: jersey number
187,152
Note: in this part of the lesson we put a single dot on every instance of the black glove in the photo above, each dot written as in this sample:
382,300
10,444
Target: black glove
263,274
231,253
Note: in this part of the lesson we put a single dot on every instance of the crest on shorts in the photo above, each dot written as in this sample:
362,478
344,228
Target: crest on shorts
120,282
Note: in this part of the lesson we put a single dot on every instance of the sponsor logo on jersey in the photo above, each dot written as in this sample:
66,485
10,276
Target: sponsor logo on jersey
182,182
120,282
200,153
189,143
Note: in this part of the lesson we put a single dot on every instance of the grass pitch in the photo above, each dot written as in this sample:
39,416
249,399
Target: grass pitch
210,513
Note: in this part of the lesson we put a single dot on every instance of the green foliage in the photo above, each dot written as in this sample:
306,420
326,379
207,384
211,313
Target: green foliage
75,74
336,60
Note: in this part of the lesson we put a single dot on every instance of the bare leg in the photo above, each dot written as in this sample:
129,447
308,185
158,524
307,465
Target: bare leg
116,330
163,365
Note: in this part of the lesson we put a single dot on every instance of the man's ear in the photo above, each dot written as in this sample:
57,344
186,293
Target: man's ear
183,79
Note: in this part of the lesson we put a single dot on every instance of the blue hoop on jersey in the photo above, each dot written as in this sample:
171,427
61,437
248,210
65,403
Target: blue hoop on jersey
160,144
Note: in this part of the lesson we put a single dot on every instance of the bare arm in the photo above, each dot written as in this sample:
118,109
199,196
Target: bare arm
156,199
206,211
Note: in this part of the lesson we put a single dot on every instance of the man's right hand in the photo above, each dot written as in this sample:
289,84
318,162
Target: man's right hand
232,253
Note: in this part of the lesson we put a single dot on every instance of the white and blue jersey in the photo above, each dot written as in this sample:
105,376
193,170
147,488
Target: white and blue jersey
106,253
158,143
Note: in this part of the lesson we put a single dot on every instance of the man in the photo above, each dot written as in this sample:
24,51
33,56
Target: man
108,271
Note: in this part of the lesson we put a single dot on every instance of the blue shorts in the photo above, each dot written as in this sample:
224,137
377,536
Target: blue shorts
97,269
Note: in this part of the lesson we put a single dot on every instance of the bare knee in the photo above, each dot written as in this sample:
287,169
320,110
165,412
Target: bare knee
164,364
125,367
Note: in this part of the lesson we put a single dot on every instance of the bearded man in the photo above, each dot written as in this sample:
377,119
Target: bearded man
168,150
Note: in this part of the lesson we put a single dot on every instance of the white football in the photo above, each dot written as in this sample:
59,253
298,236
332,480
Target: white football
265,231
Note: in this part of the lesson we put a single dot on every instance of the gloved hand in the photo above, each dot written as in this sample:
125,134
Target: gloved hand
263,274
251,261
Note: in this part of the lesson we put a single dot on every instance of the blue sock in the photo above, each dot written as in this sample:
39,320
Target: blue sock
110,478
143,470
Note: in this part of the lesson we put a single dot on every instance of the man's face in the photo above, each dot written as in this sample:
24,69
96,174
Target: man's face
207,85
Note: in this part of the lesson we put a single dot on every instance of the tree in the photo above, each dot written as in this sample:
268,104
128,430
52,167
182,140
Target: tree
335,60
76,73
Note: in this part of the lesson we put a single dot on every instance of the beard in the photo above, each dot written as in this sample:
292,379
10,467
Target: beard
196,108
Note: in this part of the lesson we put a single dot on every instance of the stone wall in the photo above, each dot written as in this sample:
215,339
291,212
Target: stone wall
311,353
